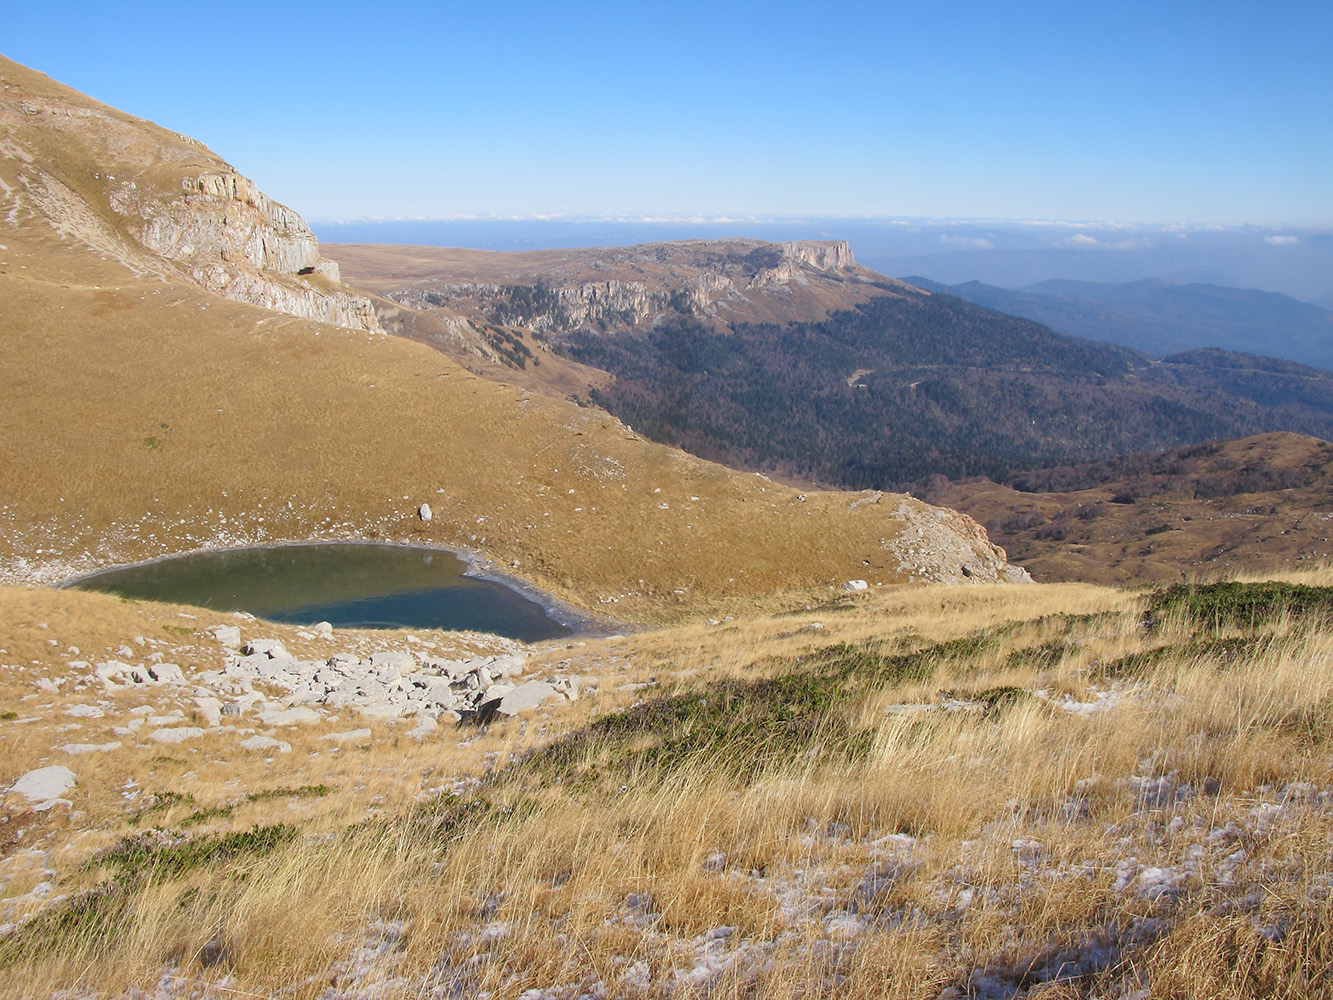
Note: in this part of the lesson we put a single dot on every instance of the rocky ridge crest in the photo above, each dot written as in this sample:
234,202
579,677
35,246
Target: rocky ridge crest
619,289
158,202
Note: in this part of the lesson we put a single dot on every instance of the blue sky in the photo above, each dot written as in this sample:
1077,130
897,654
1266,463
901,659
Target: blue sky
1130,112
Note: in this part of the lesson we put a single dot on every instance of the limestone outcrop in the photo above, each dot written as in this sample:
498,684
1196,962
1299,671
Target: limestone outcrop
234,240
158,202
619,289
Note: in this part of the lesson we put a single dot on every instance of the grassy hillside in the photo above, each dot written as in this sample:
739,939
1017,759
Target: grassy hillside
1258,503
142,415
983,791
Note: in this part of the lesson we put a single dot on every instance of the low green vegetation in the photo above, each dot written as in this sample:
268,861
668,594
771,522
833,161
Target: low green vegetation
1240,605
153,857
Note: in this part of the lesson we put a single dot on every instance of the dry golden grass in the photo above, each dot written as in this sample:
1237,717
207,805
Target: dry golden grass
1172,837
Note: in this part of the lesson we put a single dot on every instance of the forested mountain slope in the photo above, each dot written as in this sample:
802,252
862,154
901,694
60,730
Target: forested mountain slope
908,386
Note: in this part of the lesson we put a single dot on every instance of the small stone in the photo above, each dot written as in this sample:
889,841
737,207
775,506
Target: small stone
322,628
264,744
855,585
423,512
177,735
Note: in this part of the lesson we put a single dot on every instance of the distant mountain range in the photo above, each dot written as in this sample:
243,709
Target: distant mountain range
1161,317
1299,265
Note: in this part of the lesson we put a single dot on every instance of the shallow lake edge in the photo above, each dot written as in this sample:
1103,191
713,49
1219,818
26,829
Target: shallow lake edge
582,624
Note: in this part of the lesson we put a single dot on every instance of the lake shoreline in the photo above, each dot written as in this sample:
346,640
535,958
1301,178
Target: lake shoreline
582,624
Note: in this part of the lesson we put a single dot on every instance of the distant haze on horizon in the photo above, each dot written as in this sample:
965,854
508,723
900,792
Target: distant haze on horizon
1146,113
1012,254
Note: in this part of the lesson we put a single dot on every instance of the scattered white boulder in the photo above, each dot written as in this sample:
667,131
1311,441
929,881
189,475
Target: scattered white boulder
264,744
299,716
80,748
116,675
388,662
228,635
210,710
425,726
45,785
350,736
523,698
855,585
424,512
178,734
272,648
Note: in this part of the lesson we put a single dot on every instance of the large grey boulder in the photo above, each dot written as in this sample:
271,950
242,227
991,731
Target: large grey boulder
299,716
523,698
44,785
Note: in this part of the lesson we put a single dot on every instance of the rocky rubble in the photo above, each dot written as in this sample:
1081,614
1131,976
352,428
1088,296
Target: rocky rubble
261,679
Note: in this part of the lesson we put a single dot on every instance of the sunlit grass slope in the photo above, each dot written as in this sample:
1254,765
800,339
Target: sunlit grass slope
1052,791
141,415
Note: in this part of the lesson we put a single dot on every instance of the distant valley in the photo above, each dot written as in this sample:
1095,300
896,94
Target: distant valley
1162,317
794,360
1261,503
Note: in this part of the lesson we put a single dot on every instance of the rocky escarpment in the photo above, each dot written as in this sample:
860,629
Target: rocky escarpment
620,289
234,240
701,281
74,172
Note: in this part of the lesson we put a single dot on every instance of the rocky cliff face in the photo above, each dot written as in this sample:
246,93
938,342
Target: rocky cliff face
232,239
158,202
626,288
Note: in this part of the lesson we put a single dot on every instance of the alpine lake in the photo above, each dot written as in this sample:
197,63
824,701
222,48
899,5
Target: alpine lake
350,585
